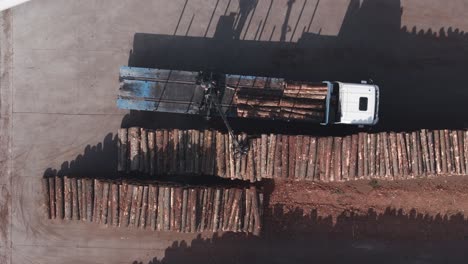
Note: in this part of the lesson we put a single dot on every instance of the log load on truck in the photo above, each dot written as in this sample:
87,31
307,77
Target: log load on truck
227,95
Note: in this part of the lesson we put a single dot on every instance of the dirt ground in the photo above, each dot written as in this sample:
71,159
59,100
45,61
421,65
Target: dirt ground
419,209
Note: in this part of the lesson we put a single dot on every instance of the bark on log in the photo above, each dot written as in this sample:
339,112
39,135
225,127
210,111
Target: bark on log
298,150
160,210
97,200
465,147
378,156
172,209
167,151
204,208
443,152
144,208
388,163
75,199
115,205
167,209
122,149
271,155
257,158
152,153
227,160
232,160
400,149
409,153
292,157
52,198
256,210
161,154
264,155
46,197
311,159
216,210
430,145
304,157
462,152
414,152
212,153
244,160
345,153
449,151
237,161
278,157
183,224
153,205
196,151
360,159
328,158
104,203
227,201
174,151
372,154
354,157
89,200
181,151
68,197
366,141
59,207
134,206
456,153
122,201
425,151
394,154
193,222
220,155
337,158
284,156
82,198
189,157
250,162
134,138
438,159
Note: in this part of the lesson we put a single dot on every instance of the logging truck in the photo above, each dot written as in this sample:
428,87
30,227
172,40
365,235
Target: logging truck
227,95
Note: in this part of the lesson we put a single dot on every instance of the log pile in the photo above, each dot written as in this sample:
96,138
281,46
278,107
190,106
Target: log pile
154,206
295,101
385,155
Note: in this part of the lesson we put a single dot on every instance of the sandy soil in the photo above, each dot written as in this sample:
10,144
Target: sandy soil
421,209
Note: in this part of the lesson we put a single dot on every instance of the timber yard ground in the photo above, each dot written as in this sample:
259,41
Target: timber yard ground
59,64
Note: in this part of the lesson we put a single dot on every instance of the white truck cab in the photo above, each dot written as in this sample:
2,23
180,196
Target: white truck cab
354,104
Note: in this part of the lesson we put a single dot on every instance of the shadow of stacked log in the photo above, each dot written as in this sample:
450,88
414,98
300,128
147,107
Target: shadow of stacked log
154,206
358,156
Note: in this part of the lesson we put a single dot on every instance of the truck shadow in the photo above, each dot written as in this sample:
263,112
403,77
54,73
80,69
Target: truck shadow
420,73
305,237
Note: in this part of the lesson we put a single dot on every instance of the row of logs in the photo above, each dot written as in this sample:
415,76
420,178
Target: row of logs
154,206
295,101
363,155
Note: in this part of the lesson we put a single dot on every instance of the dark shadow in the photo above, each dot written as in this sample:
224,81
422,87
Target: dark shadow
305,237
421,76
285,28
101,162
98,161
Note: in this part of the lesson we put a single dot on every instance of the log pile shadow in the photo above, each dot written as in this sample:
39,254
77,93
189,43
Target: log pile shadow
304,237
421,73
98,161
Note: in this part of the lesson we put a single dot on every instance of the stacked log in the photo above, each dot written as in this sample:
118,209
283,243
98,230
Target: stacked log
298,157
299,101
158,206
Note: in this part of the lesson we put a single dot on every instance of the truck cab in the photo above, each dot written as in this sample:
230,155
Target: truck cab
353,104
